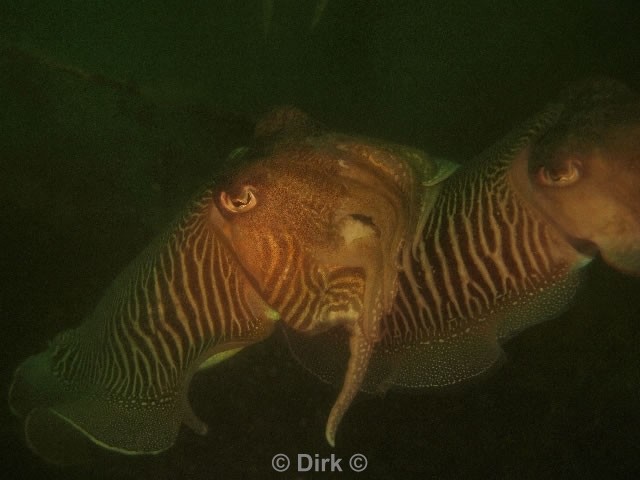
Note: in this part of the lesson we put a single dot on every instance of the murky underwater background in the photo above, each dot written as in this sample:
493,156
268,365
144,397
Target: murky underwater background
112,113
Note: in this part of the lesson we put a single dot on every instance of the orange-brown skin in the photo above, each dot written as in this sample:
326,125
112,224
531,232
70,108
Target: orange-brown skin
316,231
318,220
585,178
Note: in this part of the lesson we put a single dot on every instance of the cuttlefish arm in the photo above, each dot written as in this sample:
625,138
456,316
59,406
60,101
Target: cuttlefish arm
385,183
307,232
360,350
361,242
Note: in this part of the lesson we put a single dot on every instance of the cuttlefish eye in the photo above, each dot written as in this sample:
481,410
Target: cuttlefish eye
562,176
243,202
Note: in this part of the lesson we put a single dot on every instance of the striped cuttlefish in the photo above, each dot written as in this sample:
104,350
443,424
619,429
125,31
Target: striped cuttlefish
385,266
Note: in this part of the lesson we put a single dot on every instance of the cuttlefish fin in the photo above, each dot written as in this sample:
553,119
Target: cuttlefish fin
361,349
62,420
68,433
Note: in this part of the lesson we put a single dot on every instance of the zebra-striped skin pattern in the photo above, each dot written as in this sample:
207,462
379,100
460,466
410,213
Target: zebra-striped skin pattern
383,273
166,314
185,303
485,266
305,294
481,247
505,244
481,267
300,234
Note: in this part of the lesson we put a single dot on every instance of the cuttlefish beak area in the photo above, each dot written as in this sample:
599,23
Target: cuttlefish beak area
318,224
584,174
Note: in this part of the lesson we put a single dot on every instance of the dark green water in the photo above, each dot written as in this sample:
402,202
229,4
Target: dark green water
113,112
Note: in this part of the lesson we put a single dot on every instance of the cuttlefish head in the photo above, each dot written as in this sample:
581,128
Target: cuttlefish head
585,173
310,213
318,221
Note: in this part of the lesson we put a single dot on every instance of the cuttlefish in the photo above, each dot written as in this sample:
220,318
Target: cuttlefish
308,233
506,244
386,267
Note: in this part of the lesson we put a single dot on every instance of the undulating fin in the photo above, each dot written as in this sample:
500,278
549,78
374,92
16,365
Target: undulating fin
446,361
60,415
395,363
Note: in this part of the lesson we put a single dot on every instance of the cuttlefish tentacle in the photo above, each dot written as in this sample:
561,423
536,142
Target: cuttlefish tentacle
361,349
